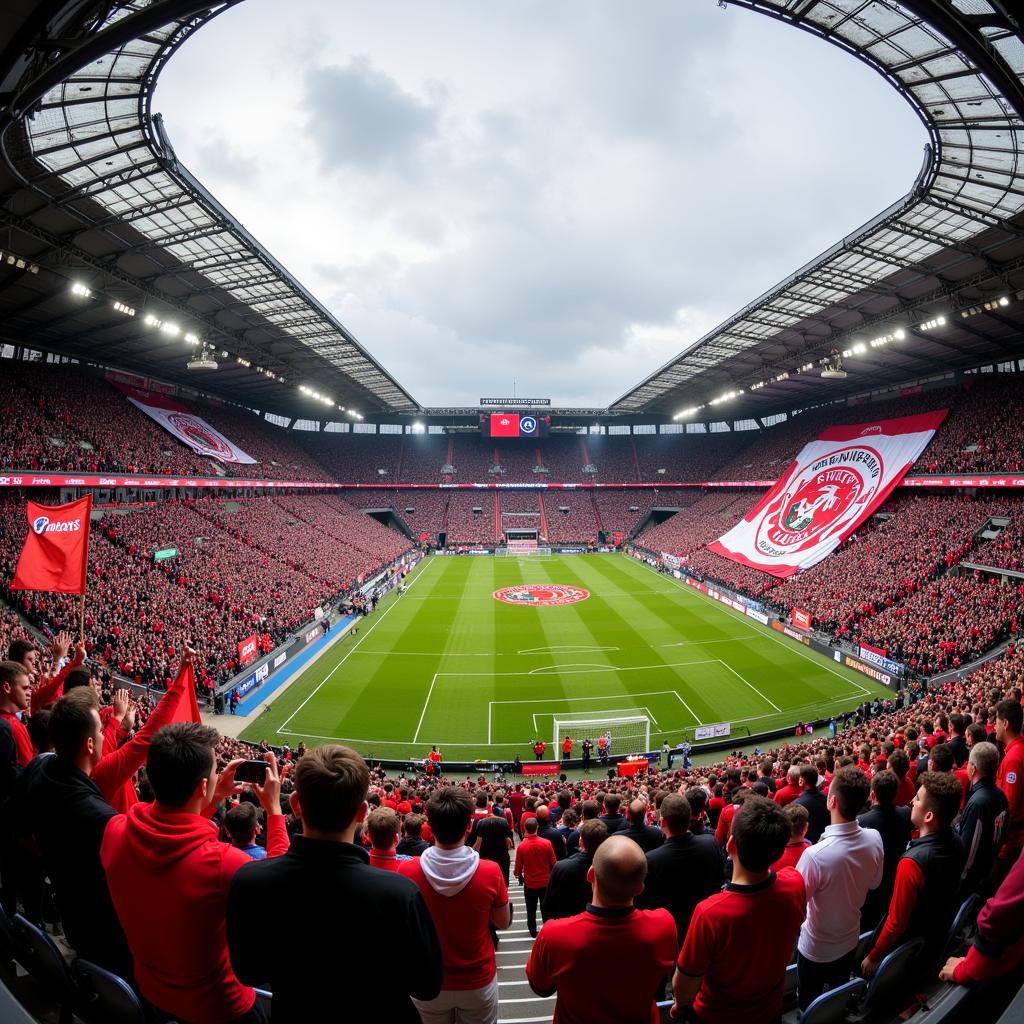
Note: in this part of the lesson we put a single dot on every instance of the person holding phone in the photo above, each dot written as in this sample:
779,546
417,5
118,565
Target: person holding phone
170,851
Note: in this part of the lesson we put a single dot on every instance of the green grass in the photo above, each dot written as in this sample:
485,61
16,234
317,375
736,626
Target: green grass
448,664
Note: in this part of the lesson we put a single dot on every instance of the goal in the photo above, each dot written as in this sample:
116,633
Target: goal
521,552
630,734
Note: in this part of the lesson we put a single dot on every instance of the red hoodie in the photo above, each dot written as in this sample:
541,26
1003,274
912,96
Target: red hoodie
169,875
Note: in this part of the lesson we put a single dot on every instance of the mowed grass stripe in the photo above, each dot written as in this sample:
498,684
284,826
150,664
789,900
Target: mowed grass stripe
449,623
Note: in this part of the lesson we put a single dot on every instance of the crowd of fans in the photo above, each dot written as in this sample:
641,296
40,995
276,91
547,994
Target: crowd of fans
833,851
256,567
571,517
698,524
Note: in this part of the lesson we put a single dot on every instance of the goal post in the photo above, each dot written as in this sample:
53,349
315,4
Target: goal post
630,734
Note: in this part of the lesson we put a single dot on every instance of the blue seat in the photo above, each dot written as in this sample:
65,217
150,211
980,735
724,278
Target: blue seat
889,982
39,955
962,924
833,1007
104,998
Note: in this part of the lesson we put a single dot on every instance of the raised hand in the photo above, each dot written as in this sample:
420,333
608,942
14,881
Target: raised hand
270,792
121,702
60,645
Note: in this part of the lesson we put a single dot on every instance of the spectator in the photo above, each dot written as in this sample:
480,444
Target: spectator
734,957
412,843
957,741
982,822
589,809
465,894
242,825
813,799
535,857
613,821
548,831
998,945
798,841
15,694
838,872
647,837
1010,779
610,939
383,827
569,890
685,869
66,811
169,850
492,839
894,825
927,876
327,878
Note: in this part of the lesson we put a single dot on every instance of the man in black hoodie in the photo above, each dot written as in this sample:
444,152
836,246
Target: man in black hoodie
568,891
814,800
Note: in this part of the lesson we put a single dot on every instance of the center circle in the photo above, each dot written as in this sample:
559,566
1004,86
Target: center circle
541,595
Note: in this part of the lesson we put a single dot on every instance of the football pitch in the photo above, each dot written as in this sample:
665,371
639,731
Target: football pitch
449,664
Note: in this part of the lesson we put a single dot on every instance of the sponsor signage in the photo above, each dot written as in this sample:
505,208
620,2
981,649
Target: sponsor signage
878,657
878,674
758,616
542,768
529,403
96,480
670,560
312,634
479,551
710,732
781,627
801,618
570,551
280,659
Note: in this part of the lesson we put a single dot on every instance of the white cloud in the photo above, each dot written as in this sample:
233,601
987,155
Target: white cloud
565,195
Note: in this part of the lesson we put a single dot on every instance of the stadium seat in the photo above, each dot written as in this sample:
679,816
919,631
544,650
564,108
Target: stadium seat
104,998
889,982
865,943
39,955
8,942
942,1007
832,1007
963,924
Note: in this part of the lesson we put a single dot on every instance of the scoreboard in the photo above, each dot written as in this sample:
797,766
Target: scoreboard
514,424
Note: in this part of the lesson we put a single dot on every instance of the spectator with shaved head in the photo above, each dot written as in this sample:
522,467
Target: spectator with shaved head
647,837
610,939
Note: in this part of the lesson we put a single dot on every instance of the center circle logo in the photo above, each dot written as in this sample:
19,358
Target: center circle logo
822,499
544,595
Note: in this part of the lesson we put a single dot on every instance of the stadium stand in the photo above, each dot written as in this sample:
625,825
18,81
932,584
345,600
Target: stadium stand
571,517
471,518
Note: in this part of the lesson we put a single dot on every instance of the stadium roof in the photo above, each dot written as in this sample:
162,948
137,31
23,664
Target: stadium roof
93,186
954,242
92,192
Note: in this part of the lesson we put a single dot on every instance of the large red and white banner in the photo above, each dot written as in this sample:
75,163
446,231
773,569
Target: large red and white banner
186,426
833,485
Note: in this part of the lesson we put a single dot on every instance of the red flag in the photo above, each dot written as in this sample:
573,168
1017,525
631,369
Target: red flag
188,707
56,551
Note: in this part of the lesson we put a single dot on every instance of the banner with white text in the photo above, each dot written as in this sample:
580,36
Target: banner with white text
832,487
186,426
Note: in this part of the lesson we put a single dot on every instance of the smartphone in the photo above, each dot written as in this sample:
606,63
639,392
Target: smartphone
252,771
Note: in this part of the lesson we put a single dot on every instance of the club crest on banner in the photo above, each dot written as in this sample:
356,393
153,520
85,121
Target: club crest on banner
820,502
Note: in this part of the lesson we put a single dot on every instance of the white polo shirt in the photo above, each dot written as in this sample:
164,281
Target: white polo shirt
838,871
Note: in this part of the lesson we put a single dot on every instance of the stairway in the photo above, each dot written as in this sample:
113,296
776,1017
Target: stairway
516,1000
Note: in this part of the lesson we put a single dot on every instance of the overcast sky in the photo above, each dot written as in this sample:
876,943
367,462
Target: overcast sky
564,194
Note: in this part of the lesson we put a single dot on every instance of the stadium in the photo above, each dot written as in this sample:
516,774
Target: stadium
785,569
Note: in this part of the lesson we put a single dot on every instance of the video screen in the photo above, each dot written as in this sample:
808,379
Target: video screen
514,424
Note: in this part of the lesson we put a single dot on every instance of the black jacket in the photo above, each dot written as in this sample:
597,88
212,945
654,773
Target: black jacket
354,914
568,891
894,825
817,808
981,828
67,813
614,823
680,873
647,837
959,747
941,859
553,836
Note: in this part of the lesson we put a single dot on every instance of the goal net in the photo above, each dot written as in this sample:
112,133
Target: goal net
630,734
522,552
